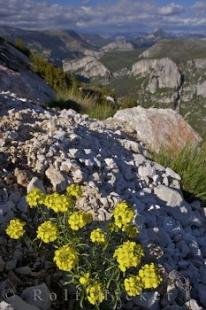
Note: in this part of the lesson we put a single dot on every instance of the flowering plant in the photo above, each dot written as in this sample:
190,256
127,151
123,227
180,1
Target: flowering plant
103,262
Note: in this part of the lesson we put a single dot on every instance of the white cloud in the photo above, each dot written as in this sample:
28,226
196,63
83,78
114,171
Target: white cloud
122,13
171,9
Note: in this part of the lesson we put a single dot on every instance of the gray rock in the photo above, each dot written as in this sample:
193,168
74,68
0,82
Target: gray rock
201,293
35,183
148,300
5,306
172,174
39,296
18,303
169,195
192,305
147,123
56,178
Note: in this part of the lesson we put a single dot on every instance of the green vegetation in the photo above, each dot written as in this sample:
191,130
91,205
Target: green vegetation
117,60
20,45
54,76
190,164
94,105
102,262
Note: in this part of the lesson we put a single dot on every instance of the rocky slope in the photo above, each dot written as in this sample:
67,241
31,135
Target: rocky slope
50,149
87,67
17,77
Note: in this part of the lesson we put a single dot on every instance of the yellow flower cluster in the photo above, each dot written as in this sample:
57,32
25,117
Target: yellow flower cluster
150,276
66,258
47,232
123,214
84,280
128,255
95,293
79,219
133,286
98,236
15,229
35,197
58,203
74,190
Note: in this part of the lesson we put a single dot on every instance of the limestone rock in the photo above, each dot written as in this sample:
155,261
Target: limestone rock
88,67
17,303
163,73
38,296
159,128
56,178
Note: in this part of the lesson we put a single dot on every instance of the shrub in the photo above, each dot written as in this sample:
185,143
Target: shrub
95,106
54,76
20,45
104,262
190,164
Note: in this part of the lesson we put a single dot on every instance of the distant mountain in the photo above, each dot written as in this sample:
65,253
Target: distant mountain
177,49
57,45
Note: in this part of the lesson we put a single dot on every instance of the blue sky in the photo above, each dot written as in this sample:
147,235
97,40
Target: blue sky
105,15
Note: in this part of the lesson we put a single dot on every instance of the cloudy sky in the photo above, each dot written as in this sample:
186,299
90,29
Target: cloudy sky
104,15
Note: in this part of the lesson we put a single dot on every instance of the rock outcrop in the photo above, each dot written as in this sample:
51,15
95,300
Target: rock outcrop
60,147
162,73
17,77
88,67
159,128
118,45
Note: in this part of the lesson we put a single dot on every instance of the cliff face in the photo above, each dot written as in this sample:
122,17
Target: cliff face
118,45
88,67
162,73
16,76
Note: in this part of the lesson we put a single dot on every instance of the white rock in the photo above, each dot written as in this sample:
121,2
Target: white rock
56,178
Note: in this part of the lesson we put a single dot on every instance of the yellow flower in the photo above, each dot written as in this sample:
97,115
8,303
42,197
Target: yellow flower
98,236
128,255
123,214
150,277
47,232
74,190
79,219
15,229
85,279
66,258
35,198
133,286
131,230
95,293
58,203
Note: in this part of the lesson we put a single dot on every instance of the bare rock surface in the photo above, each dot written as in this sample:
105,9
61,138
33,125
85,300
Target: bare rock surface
88,67
111,164
159,128
17,77
163,73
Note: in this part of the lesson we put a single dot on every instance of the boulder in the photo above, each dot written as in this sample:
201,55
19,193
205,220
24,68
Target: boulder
159,128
